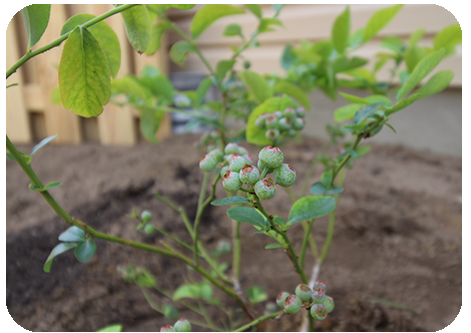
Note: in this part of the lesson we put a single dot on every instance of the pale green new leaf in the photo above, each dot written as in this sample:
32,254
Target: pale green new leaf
233,29
379,20
353,98
112,328
84,74
35,18
58,249
150,122
403,104
423,68
346,112
284,87
105,36
436,83
138,27
256,85
85,250
208,14
201,91
178,52
255,9
416,36
42,144
311,207
448,37
341,31
222,68
156,32
413,55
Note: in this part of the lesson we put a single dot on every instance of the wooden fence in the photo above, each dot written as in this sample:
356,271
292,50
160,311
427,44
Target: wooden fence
31,115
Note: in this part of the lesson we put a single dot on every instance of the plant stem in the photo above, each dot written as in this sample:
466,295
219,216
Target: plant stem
258,321
307,234
179,210
346,159
59,40
244,46
236,250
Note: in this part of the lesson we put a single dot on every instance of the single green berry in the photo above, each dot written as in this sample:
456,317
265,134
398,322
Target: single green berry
265,188
260,122
298,123
249,174
289,113
207,163
320,284
247,156
146,216
223,170
271,122
271,156
303,292
285,175
242,151
318,311
246,64
217,154
229,157
237,162
280,300
231,148
301,112
278,114
328,304
284,124
272,134
261,166
292,304
231,181
182,325
167,328
149,229
292,132
318,295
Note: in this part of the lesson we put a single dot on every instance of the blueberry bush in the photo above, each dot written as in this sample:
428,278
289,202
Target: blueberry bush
272,109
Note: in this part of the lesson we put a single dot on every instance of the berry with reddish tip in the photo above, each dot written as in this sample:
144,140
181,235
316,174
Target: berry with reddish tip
261,166
237,162
285,175
242,151
292,304
231,148
320,284
289,113
207,163
280,300
303,292
249,174
217,154
271,122
271,156
167,328
223,170
265,188
231,181
284,124
182,325
301,112
298,124
328,304
272,134
260,122
318,295
278,114
247,156
318,311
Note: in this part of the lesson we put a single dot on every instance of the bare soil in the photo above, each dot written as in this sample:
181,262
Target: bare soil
395,262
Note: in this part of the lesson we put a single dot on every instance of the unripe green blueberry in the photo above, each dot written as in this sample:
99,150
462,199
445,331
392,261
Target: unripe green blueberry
284,124
167,328
261,166
271,156
207,163
231,148
182,101
265,188
289,113
320,284
223,170
246,64
301,112
260,122
272,134
229,157
328,304
298,124
149,229
292,304
280,300
291,132
271,122
249,174
278,114
146,216
318,311
242,151
237,162
285,175
217,154
247,156
318,295
303,292
231,181
182,325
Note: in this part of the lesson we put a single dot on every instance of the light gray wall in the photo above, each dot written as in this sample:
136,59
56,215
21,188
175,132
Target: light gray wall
433,123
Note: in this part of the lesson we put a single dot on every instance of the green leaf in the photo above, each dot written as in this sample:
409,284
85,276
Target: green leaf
273,246
138,27
131,87
35,18
391,127
255,9
178,52
343,64
423,68
233,29
207,14
150,122
353,153
436,83
403,103
311,207
72,234
413,55
356,39
230,201
366,112
156,32
34,188
10,156
379,99
277,8
222,68
354,99
257,136
169,311
318,188
201,91
42,143
85,250
184,6
341,31
200,290
111,328
416,36
256,85
326,178
393,43
288,58
247,215
55,96
58,249
294,91
256,294
346,112
50,185
84,74
156,82
105,36
279,220
379,20
448,37
265,23
363,150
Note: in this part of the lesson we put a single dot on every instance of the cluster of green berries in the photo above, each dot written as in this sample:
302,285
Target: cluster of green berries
242,170
315,300
278,123
182,325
